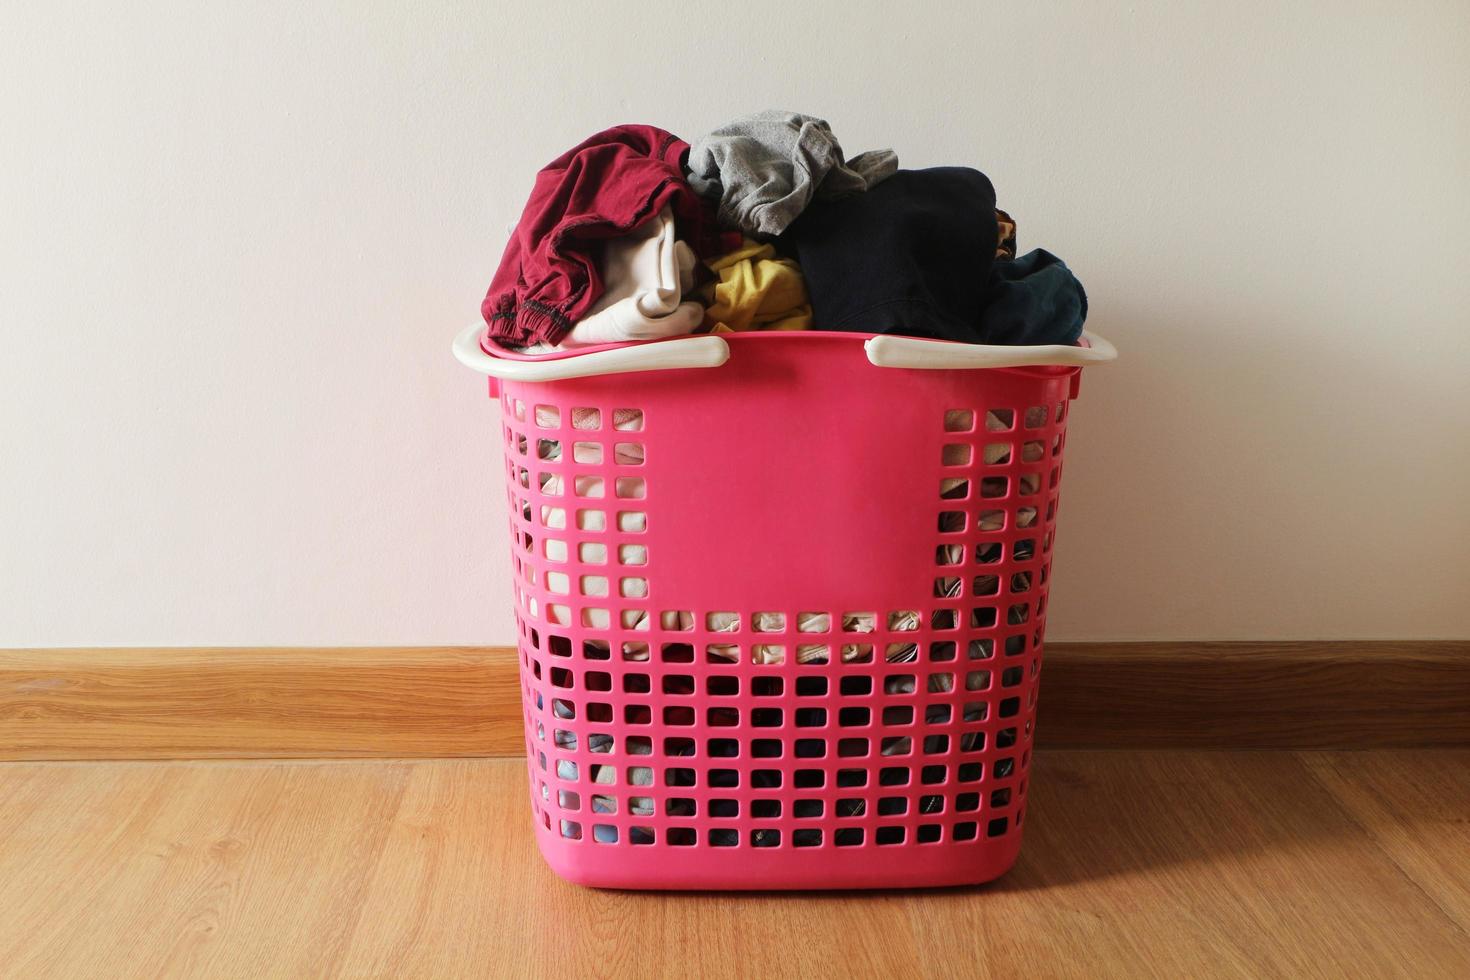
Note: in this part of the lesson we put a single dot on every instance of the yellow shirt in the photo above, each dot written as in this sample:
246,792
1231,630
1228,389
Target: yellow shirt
754,290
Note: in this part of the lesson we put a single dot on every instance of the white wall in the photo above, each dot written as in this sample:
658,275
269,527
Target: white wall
234,243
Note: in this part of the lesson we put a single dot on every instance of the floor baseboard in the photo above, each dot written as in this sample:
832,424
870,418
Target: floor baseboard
400,702
1256,695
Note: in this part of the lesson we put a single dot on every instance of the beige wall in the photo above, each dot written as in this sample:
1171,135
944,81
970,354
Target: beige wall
235,242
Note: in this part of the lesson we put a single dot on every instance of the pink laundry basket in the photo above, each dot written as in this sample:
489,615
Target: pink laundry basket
781,599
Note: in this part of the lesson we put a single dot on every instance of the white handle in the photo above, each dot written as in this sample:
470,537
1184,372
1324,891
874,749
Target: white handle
704,351
710,350
943,355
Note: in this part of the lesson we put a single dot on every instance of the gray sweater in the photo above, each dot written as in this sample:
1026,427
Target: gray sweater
765,168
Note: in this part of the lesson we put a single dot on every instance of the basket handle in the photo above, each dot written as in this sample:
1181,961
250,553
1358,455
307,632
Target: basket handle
704,351
710,350
948,355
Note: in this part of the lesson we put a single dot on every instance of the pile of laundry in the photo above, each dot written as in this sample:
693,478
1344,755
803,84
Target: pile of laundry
765,224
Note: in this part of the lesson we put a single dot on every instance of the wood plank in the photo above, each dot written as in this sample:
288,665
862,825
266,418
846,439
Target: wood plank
258,703
1416,805
1152,864
187,869
463,701
1190,863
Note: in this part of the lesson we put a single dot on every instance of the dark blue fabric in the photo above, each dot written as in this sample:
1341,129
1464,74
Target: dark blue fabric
915,255
1032,299
911,255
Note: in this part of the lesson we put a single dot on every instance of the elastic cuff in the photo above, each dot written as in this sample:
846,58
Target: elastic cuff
528,324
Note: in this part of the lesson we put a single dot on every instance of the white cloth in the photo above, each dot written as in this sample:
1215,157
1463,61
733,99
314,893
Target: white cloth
644,276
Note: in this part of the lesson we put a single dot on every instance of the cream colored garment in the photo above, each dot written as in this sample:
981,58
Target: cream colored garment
623,419
644,277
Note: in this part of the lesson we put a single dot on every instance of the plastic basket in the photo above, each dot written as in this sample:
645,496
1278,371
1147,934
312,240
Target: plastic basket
781,600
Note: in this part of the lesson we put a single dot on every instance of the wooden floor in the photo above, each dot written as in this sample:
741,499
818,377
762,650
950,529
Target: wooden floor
1165,863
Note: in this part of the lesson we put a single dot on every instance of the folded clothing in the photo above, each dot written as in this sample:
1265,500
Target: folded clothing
910,256
607,186
755,290
765,168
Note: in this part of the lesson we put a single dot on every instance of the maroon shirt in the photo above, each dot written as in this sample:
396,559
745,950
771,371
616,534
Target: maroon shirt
604,187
